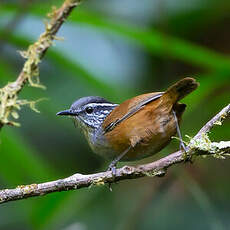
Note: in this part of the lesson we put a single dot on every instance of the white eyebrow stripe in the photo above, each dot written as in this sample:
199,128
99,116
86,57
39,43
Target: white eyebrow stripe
102,104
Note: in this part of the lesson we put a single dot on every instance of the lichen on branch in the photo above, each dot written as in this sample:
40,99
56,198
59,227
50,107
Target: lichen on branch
10,104
9,101
198,146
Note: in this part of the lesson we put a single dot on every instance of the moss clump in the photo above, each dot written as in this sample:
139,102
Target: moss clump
97,182
9,102
215,149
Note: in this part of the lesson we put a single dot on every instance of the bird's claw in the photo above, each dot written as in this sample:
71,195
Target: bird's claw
185,155
112,167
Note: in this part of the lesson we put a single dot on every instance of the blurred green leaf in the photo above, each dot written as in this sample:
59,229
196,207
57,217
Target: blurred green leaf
44,213
152,40
6,72
20,163
81,73
157,42
77,70
202,200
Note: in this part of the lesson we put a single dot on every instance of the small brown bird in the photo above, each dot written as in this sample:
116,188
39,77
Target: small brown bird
137,128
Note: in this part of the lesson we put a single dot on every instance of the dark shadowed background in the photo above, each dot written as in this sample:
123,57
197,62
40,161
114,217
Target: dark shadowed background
116,49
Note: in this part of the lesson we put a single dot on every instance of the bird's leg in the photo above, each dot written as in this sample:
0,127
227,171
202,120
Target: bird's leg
112,166
182,145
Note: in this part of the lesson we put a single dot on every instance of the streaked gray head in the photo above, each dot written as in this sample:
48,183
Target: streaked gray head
89,112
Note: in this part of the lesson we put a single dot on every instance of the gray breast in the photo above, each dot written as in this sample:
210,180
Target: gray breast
100,145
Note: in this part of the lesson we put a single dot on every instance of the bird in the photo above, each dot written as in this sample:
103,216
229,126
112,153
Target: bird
135,129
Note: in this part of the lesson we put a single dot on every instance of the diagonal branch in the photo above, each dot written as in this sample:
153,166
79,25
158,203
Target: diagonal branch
200,145
9,102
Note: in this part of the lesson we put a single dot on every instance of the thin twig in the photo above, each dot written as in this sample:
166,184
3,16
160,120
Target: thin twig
9,102
198,146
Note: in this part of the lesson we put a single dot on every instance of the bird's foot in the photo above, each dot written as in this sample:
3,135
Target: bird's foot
186,157
112,167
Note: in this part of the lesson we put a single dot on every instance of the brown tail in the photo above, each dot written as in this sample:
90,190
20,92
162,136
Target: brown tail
180,89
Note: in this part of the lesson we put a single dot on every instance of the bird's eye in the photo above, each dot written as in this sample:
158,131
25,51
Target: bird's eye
89,110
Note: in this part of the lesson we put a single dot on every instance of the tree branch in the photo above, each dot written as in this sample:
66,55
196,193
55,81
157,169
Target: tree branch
9,102
200,145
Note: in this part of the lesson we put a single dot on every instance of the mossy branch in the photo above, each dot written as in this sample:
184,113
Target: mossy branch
200,145
9,102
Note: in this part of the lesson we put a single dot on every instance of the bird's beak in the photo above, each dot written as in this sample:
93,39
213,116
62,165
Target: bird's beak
67,112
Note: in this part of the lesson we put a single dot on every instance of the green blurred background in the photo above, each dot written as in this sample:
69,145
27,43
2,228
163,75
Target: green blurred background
116,49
